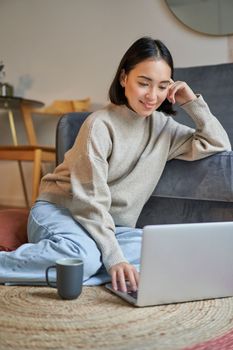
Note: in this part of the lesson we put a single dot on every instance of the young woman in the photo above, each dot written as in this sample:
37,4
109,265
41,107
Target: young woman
89,205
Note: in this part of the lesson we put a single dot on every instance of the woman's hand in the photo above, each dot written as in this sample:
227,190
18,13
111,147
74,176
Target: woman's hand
122,273
179,92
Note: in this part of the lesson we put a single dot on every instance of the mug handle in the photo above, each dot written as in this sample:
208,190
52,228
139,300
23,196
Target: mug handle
47,276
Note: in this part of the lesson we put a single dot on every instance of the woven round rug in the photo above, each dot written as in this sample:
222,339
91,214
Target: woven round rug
36,318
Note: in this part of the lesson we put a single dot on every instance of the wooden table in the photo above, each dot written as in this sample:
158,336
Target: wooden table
24,106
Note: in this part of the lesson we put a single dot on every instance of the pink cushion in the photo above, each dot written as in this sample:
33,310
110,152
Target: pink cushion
13,228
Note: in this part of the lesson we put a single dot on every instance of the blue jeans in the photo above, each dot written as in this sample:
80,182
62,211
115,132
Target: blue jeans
54,234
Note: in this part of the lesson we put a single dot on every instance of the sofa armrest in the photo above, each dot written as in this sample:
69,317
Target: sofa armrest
208,179
200,191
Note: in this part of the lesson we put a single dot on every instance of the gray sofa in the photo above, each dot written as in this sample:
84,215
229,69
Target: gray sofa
199,191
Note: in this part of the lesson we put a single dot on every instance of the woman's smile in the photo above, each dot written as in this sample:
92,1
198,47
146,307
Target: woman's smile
148,105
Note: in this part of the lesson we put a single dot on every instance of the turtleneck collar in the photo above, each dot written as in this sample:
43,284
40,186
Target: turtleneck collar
127,112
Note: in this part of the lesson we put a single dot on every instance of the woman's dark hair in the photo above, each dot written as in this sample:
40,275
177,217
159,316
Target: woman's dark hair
139,51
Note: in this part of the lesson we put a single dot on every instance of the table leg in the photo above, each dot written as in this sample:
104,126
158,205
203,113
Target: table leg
12,127
15,142
27,118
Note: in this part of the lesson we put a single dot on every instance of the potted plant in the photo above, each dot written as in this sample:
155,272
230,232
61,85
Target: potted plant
5,88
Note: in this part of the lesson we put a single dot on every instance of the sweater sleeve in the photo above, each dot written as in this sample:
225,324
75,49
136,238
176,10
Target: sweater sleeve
91,194
208,138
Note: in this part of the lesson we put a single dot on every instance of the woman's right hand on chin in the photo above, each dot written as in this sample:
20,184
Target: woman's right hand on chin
122,273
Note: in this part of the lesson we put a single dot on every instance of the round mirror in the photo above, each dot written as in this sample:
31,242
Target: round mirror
214,17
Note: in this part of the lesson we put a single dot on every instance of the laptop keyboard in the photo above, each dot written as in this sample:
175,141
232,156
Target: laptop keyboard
133,294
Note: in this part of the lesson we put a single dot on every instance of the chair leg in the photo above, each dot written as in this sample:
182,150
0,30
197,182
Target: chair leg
36,174
23,183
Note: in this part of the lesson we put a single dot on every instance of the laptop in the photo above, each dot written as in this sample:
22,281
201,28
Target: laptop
184,262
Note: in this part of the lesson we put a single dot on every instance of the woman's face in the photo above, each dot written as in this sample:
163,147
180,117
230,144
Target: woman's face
146,85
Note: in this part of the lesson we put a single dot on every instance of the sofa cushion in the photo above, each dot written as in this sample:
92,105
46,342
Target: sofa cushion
13,229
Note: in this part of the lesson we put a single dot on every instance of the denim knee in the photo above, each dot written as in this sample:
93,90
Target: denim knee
92,262
88,253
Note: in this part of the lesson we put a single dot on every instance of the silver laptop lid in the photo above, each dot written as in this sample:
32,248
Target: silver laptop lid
186,262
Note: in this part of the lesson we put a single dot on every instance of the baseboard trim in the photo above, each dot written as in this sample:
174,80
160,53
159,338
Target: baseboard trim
12,201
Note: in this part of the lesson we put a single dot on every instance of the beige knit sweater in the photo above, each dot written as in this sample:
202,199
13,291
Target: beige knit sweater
116,162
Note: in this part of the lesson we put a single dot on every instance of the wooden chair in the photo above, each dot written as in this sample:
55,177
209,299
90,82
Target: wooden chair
60,107
36,154
32,152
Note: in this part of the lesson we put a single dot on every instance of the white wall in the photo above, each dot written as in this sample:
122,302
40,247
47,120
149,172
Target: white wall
65,49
